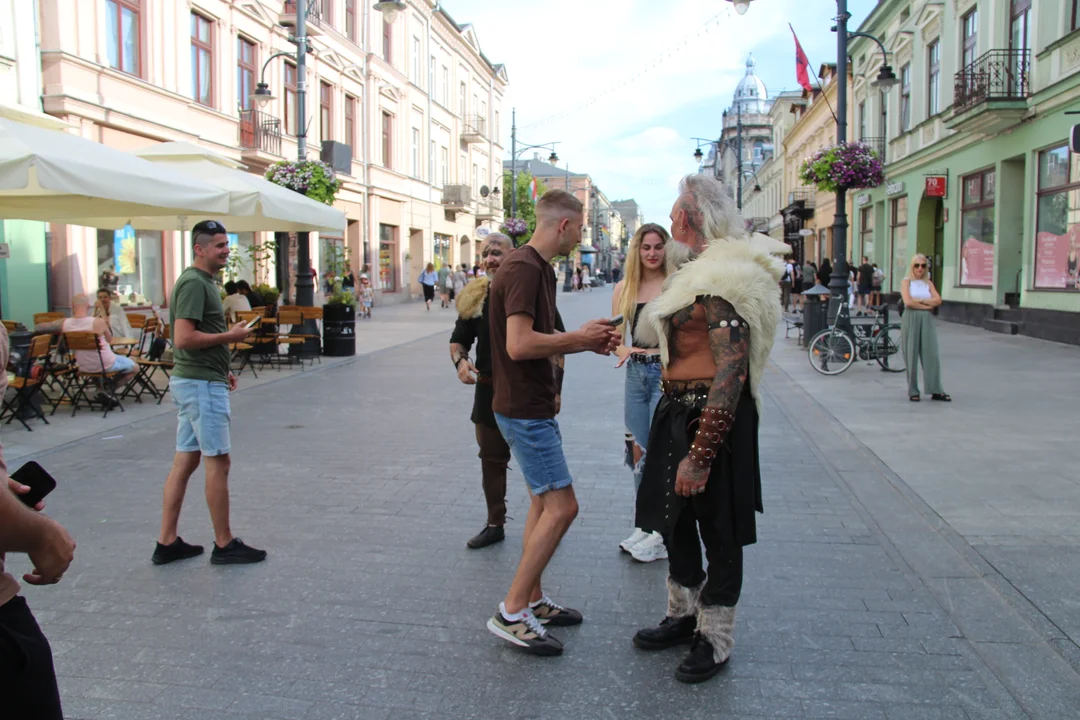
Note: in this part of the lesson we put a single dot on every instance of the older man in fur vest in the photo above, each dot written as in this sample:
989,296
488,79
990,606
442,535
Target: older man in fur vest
714,323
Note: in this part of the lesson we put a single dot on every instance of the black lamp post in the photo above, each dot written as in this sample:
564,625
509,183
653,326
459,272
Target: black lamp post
553,158
838,283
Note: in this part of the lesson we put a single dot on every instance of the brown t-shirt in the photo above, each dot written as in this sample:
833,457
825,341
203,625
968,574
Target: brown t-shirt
524,284
8,587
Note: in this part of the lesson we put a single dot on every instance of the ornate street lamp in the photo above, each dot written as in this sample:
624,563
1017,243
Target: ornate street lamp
390,9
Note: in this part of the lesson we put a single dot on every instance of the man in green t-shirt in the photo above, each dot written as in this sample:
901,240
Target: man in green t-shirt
200,387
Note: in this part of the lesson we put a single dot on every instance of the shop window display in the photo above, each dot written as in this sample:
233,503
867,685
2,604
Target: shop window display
1057,238
977,230
135,259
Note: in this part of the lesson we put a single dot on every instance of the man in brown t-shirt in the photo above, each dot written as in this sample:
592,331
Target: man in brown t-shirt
524,347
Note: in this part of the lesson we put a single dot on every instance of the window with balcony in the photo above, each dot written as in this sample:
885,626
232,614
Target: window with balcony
977,229
202,60
387,41
970,38
1020,25
905,98
350,123
245,73
416,61
325,14
325,111
416,152
350,19
123,35
933,78
1057,253
291,118
387,140
1075,15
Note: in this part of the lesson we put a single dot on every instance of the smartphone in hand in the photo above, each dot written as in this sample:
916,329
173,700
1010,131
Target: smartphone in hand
37,479
617,320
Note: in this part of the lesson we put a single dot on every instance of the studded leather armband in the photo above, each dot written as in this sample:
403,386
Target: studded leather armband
713,428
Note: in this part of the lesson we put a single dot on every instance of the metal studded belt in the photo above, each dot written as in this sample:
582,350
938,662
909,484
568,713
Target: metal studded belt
645,359
692,393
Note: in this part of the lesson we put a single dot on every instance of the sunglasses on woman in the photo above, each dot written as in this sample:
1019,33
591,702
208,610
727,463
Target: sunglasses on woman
919,265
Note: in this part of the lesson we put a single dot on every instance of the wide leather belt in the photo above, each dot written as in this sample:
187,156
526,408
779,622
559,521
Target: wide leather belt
692,393
484,379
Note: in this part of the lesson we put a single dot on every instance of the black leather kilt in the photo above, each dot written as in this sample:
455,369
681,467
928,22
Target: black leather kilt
733,493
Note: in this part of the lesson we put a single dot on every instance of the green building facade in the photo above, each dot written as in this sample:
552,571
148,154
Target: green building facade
24,275
975,139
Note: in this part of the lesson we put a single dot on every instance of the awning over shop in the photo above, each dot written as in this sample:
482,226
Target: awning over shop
52,175
255,204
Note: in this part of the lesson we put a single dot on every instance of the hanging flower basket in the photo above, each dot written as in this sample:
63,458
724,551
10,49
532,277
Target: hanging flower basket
515,227
851,166
312,178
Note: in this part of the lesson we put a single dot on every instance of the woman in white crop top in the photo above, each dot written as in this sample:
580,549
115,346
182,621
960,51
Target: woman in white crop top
918,336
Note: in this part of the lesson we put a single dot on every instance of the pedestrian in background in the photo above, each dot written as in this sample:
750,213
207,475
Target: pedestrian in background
586,279
459,280
824,272
200,387
27,677
786,282
918,336
646,269
445,284
428,280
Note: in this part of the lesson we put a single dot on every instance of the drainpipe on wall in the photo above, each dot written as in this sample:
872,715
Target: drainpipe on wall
374,256
431,160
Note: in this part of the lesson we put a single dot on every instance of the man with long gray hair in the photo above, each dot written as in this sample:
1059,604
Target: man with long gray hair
714,323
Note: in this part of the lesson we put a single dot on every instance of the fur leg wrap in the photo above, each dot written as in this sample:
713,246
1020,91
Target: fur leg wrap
716,623
682,601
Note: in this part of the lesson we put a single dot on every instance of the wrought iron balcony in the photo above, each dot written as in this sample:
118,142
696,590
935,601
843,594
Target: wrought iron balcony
997,75
877,144
314,15
260,131
456,196
473,128
804,197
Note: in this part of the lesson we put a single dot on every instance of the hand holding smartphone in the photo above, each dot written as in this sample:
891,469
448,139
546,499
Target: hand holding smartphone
37,479
615,321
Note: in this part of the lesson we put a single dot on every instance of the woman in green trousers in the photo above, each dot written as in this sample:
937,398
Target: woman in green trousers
918,336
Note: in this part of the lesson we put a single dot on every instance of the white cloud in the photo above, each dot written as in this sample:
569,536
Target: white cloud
623,86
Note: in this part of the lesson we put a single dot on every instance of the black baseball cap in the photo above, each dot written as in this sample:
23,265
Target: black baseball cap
208,227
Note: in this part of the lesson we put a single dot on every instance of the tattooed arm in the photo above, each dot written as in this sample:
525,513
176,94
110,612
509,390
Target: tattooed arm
730,342
49,327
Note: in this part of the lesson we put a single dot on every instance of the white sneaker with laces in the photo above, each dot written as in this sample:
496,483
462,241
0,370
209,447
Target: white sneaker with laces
650,549
633,540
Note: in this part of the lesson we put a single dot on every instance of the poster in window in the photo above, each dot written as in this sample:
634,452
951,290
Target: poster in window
124,250
976,263
1057,260
386,266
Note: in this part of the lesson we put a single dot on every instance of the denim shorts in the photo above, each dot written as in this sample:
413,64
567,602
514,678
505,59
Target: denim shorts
122,364
537,448
203,423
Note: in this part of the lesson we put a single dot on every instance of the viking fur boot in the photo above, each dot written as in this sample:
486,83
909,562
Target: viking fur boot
712,645
678,625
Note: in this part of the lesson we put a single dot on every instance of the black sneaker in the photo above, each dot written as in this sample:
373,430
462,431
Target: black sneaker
176,550
527,632
700,663
549,612
669,633
236,553
490,535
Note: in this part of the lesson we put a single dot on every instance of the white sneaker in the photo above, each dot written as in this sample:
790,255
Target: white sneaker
650,549
633,540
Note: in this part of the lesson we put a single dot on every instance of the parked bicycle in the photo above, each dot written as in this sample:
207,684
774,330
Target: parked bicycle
834,349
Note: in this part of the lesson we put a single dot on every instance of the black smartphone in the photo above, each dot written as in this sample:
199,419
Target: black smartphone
40,482
617,320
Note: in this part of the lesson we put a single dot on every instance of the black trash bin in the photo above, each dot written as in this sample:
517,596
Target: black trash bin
339,330
815,312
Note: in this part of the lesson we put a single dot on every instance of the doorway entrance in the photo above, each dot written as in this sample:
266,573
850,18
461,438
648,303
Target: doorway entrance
930,236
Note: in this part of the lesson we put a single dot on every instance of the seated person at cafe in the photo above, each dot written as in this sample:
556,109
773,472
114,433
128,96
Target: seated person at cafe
234,302
253,297
109,310
88,360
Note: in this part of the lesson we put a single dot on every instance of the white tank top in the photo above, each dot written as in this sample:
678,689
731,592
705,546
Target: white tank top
919,290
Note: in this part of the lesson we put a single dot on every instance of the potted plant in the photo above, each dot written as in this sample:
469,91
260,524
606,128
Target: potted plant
339,312
515,228
846,166
270,294
312,178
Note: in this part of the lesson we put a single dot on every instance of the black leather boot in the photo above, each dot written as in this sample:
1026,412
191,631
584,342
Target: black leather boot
712,645
700,663
669,633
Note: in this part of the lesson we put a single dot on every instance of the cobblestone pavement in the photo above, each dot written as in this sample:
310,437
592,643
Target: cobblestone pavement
362,482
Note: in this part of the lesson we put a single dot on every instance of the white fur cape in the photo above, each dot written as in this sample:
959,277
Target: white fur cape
743,271
470,301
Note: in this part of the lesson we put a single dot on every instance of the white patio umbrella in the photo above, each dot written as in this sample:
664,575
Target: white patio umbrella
51,175
254,203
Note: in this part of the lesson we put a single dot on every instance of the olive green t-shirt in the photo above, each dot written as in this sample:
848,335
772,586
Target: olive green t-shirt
198,299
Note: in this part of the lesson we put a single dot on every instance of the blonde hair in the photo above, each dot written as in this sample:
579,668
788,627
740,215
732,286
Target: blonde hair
911,266
632,279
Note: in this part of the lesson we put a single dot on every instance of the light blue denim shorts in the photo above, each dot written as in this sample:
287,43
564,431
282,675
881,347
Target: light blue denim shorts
537,448
122,364
203,423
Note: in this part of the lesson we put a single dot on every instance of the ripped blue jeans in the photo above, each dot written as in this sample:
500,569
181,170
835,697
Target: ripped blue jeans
642,395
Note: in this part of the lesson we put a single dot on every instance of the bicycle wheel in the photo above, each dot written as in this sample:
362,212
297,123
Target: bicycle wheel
830,352
887,349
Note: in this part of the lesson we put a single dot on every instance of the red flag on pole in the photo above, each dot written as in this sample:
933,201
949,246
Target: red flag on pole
802,65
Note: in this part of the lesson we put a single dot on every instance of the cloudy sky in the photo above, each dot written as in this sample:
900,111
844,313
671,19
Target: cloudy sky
624,85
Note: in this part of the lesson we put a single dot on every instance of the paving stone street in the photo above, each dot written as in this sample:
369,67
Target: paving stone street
864,598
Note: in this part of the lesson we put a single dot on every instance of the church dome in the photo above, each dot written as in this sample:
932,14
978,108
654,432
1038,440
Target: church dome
750,93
